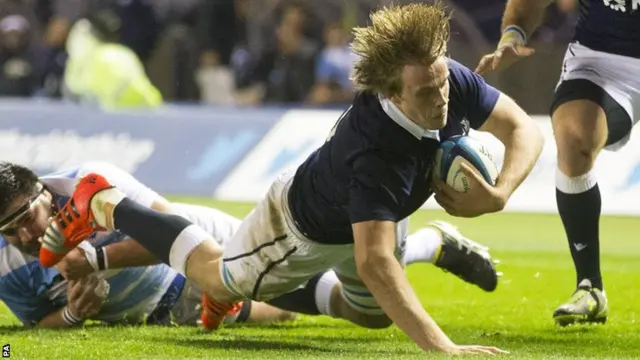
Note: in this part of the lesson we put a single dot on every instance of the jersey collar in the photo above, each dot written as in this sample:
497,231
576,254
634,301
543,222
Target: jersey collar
401,119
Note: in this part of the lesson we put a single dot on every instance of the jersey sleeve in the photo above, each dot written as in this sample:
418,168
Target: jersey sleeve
122,180
476,96
27,306
379,186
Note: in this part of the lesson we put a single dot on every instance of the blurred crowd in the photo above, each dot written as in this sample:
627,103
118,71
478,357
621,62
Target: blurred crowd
230,51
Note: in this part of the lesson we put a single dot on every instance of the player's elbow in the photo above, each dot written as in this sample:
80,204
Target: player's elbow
516,128
528,132
372,264
374,244
537,137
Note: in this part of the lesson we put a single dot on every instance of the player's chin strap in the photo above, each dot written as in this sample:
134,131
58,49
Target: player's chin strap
96,257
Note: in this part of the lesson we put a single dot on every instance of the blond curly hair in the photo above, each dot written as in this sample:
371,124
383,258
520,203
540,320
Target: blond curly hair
398,35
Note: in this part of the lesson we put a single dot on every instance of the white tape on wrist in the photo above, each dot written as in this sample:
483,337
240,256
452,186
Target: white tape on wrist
514,34
90,254
69,317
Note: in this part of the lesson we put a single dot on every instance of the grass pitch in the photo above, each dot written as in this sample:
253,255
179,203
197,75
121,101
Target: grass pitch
538,276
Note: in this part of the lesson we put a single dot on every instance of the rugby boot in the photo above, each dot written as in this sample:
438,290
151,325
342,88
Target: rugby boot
76,220
213,313
587,305
465,258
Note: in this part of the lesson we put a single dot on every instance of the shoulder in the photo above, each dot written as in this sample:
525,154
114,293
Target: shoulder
460,76
366,103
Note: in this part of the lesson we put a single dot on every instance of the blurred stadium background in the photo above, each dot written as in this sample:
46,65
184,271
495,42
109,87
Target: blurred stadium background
257,52
208,100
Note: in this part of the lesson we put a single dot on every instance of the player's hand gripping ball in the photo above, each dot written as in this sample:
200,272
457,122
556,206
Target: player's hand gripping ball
464,179
459,150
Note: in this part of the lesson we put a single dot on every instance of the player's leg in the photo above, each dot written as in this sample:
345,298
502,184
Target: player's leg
442,245
439,243
585,119
263,313
423,246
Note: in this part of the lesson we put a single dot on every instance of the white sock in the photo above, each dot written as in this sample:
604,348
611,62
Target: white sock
577,184
324,288
422,246
189,239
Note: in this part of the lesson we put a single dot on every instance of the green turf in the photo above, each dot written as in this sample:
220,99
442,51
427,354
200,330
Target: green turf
538,275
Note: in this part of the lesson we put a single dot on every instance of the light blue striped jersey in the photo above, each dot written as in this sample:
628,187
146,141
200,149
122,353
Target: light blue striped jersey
32,292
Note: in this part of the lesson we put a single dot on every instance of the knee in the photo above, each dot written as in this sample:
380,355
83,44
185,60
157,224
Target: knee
571,143
578,142
365,312
204,268
371,321
377,322
576,154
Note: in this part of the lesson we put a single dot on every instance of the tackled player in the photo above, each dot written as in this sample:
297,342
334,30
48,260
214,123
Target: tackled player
64,296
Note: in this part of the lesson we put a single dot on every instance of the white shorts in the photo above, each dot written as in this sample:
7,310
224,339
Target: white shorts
618,76
269,257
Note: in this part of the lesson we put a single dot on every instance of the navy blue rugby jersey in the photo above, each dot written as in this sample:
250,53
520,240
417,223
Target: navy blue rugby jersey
611,26
376,164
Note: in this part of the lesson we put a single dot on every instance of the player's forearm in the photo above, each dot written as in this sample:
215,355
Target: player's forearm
57,319
384,277
523,146
527,14
128,253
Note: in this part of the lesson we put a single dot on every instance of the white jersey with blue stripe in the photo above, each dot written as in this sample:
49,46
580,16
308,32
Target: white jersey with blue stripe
29,290
32,292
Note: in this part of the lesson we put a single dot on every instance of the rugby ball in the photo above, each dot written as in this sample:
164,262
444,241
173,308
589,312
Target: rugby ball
459,150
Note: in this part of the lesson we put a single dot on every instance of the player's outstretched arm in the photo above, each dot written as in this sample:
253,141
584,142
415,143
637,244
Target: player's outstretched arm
522,139
526,14
384,277
56,320
85,259
520,20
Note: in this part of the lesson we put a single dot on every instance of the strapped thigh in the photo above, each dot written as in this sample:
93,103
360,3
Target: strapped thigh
353,291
